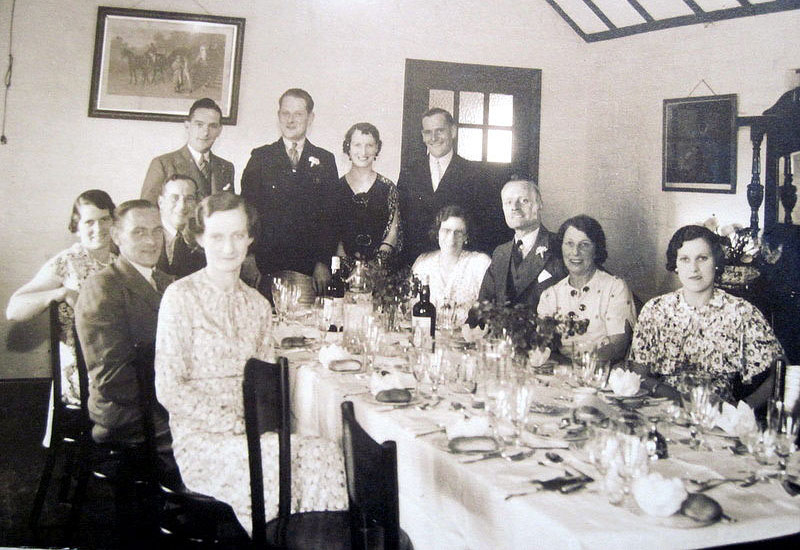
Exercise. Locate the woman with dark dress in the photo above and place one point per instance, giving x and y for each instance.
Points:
(366, 202)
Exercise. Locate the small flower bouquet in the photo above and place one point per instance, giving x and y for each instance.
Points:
(526, 330)
(745, 254)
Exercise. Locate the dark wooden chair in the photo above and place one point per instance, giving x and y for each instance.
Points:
(267, 409)
(68, 426)
(372, 488)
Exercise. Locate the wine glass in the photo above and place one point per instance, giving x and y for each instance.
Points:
(372, 340)
(499, 406)
(786, 439)
(438, 368)
(419, 367)
(521, 399)
(703, 409)
(584, 360)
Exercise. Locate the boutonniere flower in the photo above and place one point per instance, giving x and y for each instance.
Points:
(313, 161)
(540, 250)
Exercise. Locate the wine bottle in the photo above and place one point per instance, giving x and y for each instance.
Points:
(423, 320)
(333, 300)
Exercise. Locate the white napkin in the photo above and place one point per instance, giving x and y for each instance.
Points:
(390, 380)
(469, 427)
(334, 352)
(472, 335)
(737, 420)
(538, 356)
(657, 495)
(624, 383)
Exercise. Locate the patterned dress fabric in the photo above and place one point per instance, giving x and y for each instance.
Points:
(727, 339)
(205, 337)
(605, 300)
(457, 289)
(366, 218)
(72, 267)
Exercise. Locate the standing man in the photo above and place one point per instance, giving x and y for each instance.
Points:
(210, 173)
(440, 179)
(291, 184)
(524, 267)
(181, 254)
(117, 309)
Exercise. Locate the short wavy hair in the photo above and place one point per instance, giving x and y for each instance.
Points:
(445, 213)
(220, 202)
(433, 111)
(299, 93)
(97, 198)
(690, 233)
(592, 228)
(364, 128)
(204, 103)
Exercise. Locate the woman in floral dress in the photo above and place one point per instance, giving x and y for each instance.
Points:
(453, 273)
(701, 330)
(210, 323)
(61, 277)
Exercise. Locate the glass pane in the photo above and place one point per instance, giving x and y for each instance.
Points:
(441, 98)
(501, 110)
(470, 107)
(470, 143)
(499, 146)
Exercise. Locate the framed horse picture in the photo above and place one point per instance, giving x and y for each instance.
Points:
(152, 65)
(700, 144)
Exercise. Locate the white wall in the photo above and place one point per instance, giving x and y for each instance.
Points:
(350, 54)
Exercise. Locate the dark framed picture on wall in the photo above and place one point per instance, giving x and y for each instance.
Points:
(699, 147)
(152, 65)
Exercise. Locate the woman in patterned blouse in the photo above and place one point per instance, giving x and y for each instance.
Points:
(60, 279)
(701, 330)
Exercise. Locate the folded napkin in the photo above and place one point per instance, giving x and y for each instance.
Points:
(657, 495)
(335, 357)
(538, 357)
(475, 426)
(737, 420)
(624, 383)
(279, 332)
(390, 380)
(472, 335)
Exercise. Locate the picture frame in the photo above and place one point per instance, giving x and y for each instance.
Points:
(152, 65)
(700, 144)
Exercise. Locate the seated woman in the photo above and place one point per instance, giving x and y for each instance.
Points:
(590, 292)
(366, 202)
(702, 330)
(454, 274)
(61, 277)
(209, 324)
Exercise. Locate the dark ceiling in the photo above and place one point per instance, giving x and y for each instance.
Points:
(596, 20)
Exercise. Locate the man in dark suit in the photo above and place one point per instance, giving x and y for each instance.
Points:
(291, 183)
(524, 267)
(181, 255)
(210, 173)
(440, 179)
(117, 309)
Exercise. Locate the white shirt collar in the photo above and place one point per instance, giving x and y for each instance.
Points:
(528, 240)
(197, 155)
(300, 144)
(444, 162)
(146, 272)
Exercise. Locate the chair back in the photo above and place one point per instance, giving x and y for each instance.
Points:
(144, 365)
(55, 369)
(372, 488)
(265, 390)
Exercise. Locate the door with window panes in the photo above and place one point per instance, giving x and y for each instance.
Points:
(497, 110)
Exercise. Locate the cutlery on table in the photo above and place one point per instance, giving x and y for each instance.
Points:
(431, 432)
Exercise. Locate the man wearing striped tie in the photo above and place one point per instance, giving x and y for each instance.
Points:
(211, 173)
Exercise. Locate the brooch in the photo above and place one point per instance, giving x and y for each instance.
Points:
(540, 250)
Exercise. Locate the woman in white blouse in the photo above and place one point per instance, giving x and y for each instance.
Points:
(589, 292)
(453, 273)
(209, 324)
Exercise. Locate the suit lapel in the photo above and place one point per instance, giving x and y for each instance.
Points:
(191, 169)
(503, 255)
(137, 284)
(218, 170)
(533, 264)
(450, 176)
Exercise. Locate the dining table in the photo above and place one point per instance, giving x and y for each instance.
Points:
(457, 500)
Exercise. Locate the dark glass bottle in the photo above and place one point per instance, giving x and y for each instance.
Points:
(423, 320)
(333, 301)
(656, 442)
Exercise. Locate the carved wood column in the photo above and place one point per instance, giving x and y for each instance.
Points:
(788, 191)
(755, 191)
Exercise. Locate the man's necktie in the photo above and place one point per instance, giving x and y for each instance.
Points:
(516, 253)
(180, 251)
(294, 155)
(205, 166)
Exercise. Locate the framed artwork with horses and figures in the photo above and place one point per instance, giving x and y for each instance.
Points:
(152, 65)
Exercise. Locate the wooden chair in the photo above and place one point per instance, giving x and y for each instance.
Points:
(68, 426)
(372, 488)
(267, 408)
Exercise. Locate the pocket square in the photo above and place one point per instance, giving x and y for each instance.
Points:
(227, 187)
(543, 276)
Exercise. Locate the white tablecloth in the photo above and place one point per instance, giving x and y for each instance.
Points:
(446, 504)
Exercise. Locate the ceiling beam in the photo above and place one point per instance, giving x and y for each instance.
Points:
(694, 7)
(569, 20)
(600, 15)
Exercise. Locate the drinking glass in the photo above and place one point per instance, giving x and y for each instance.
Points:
(786, 438)
(703, 410)
(419, 367)
(584, 360)
(372, 340)
(500, 405)
(521, 399)
(438, 369)
(285, 296)
(633, 460)
(466, 373)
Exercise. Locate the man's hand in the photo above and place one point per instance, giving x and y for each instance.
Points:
(321, 277)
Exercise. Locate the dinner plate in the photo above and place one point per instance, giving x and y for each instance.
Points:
(415, 400)
(675, 521)
(471, 445)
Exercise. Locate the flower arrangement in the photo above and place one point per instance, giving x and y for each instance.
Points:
(745, 254)
(391, 284)
(527, 330)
